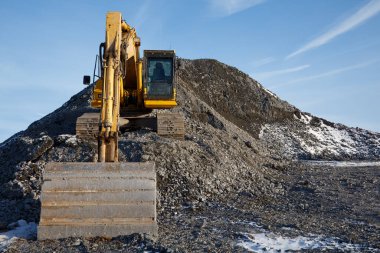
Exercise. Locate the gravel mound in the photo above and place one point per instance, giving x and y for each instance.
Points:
(239, 145)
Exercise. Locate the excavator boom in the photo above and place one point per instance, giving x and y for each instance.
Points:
(111, 90)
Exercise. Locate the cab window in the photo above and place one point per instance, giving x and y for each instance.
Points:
(160, 78)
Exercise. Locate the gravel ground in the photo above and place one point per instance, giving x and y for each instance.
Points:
(331, 202)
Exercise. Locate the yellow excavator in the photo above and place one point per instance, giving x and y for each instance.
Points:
(109, 198)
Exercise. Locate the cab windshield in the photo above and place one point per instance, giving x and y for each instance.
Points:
(160, 78)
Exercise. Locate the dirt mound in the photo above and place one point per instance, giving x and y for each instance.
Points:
(234, 95)
(284, 129)
(238, 145)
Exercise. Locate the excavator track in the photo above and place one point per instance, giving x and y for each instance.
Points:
(87, 126)
(170, 125)
(98, 199)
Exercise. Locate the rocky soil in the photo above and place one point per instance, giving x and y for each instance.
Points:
(234, 174)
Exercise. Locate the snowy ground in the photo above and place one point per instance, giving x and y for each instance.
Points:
(315, 138)
(22, 229)
(265, 241)
(343, 163)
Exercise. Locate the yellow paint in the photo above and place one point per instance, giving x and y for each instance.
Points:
(125, 27)
(112, 89)
(160, 104)
(121, 82)
(139, 84)
(112, 56)
(96, 100)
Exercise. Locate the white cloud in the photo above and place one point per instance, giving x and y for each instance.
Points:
(262, 62)
(229, 7)
(332, 72)
(141, 15)
(269, 74)
(367, 11)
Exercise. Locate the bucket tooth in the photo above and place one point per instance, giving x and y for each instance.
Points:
(98, 199)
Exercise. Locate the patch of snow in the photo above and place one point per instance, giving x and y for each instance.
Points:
(270, 242)
(44, 137)
(270, 93)
(262, 130)
(287, 228)
(72, 140)
(356, 222)
(23, 230)
(27, 140)
(332, 139)
(68, 139)
(343, 163)
(304, 118)
(319, 139)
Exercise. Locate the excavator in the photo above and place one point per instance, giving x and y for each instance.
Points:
(108, 198)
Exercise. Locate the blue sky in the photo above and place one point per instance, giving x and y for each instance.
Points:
(322, 56)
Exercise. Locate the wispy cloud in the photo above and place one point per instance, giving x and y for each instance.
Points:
(269, 74)
(332, 72)
(367, 11)
(141, 14)
(229, 7)
(262, 62)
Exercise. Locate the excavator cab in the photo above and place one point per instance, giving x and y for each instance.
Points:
(159, 79)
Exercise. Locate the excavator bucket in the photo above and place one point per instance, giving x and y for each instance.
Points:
(98, 199)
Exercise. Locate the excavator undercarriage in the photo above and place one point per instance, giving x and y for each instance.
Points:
(169, 125)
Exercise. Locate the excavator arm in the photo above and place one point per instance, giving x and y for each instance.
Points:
(122, 70)
(109, 115)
